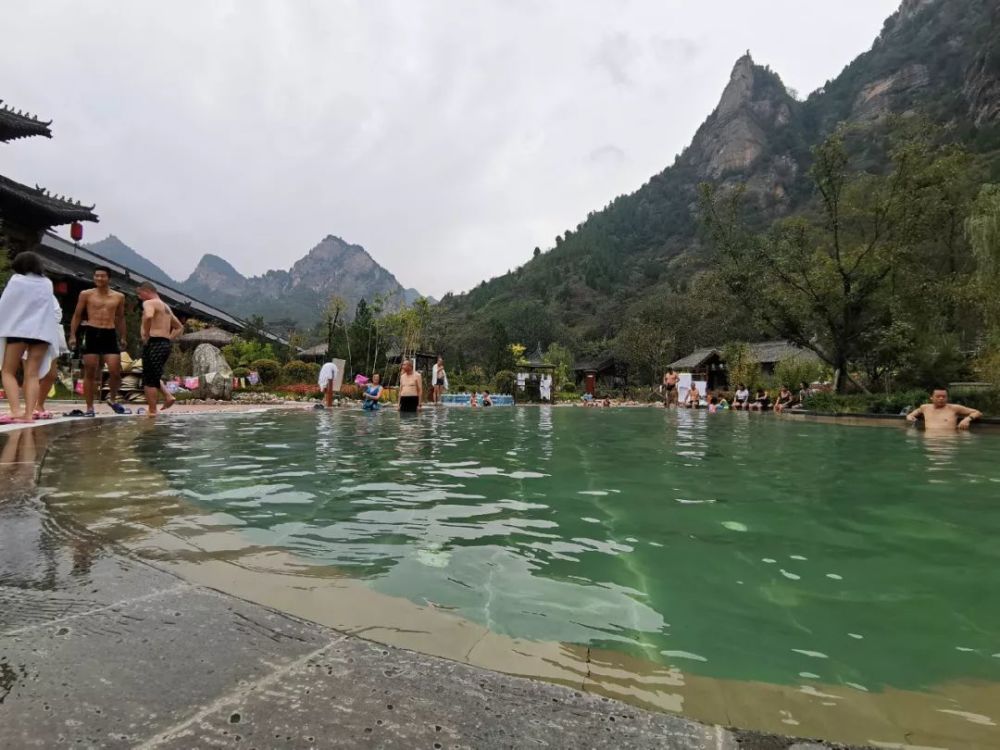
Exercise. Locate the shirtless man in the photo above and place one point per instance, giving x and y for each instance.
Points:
(940, 416)
(103, 338)
(411, 388)
(159, 328)
(670, 381)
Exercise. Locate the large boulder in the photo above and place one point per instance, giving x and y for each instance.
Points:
(216, 385)
(216, 375)
(206, 359)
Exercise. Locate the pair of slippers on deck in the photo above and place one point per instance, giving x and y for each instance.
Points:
(7, 419)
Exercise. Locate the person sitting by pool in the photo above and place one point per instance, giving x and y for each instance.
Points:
(742, 400)
(785, 399)
(487, 401)
(762, 402)
(372, 394)
(472, 399)
(722, 402)
(940, 416)
(804, 392)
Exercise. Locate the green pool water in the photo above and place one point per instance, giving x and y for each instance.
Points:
(739, 547)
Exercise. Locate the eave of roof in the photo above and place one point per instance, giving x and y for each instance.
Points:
(20, 124)
(40, 206)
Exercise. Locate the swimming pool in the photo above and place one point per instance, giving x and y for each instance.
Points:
(745, 569)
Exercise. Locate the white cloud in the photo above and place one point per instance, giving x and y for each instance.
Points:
(447, 137)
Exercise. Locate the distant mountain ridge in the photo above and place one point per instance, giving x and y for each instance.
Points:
(641, 257)
(296, 297)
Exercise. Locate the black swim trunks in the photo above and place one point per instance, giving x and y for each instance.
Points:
(408, 403)
(101, 341)
(155, 353)
(22, 340)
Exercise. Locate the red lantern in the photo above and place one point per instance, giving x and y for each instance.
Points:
(76, 231)
(60, 287)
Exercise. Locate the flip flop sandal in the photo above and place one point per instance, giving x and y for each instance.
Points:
(140, 411)
(117, 408)
(89, 413)
(74, 413)
(8, 419)
(42, 415)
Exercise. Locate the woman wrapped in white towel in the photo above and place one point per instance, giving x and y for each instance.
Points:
(28, 331)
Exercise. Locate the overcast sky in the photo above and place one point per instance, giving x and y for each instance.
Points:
(448, 137)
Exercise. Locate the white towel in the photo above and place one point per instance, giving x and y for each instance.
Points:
(327, 374)
(26, 312)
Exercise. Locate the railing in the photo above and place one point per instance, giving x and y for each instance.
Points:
(465, 399)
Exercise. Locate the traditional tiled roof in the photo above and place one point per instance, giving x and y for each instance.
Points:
(39, 208)
(20, 124)
(598, 364)
(693, 360)
(319, 350)
(765, 352)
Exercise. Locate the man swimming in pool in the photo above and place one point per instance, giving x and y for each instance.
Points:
(159, 328)
(940, 416)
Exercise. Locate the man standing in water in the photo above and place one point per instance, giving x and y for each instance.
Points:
(159, 328)
(670, 381)
(411, 388)
(103, 338)
(941, 416)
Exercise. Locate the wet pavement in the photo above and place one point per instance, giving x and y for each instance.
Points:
(100, 649)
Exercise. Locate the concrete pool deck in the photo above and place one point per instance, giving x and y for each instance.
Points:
(102, 649)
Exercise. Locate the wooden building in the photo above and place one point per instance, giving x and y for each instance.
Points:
(601, 376)
(710, 364)
(530, 374)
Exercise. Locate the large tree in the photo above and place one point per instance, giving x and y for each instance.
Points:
(829, 278)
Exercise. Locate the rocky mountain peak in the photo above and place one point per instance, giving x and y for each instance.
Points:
(909, 8)
(753, 105)
(739, 90)
(216, 274)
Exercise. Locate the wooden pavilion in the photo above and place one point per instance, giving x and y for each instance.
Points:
(530, 373)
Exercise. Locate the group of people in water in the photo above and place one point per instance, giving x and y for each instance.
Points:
(411, 388)
(32, 339)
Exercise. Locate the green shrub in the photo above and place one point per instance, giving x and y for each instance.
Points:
(985, 400)
(796, 370)
(504, 381)
(296, 371)
(568, 387)
(240, 372)
(474, 375)
(268, 369)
